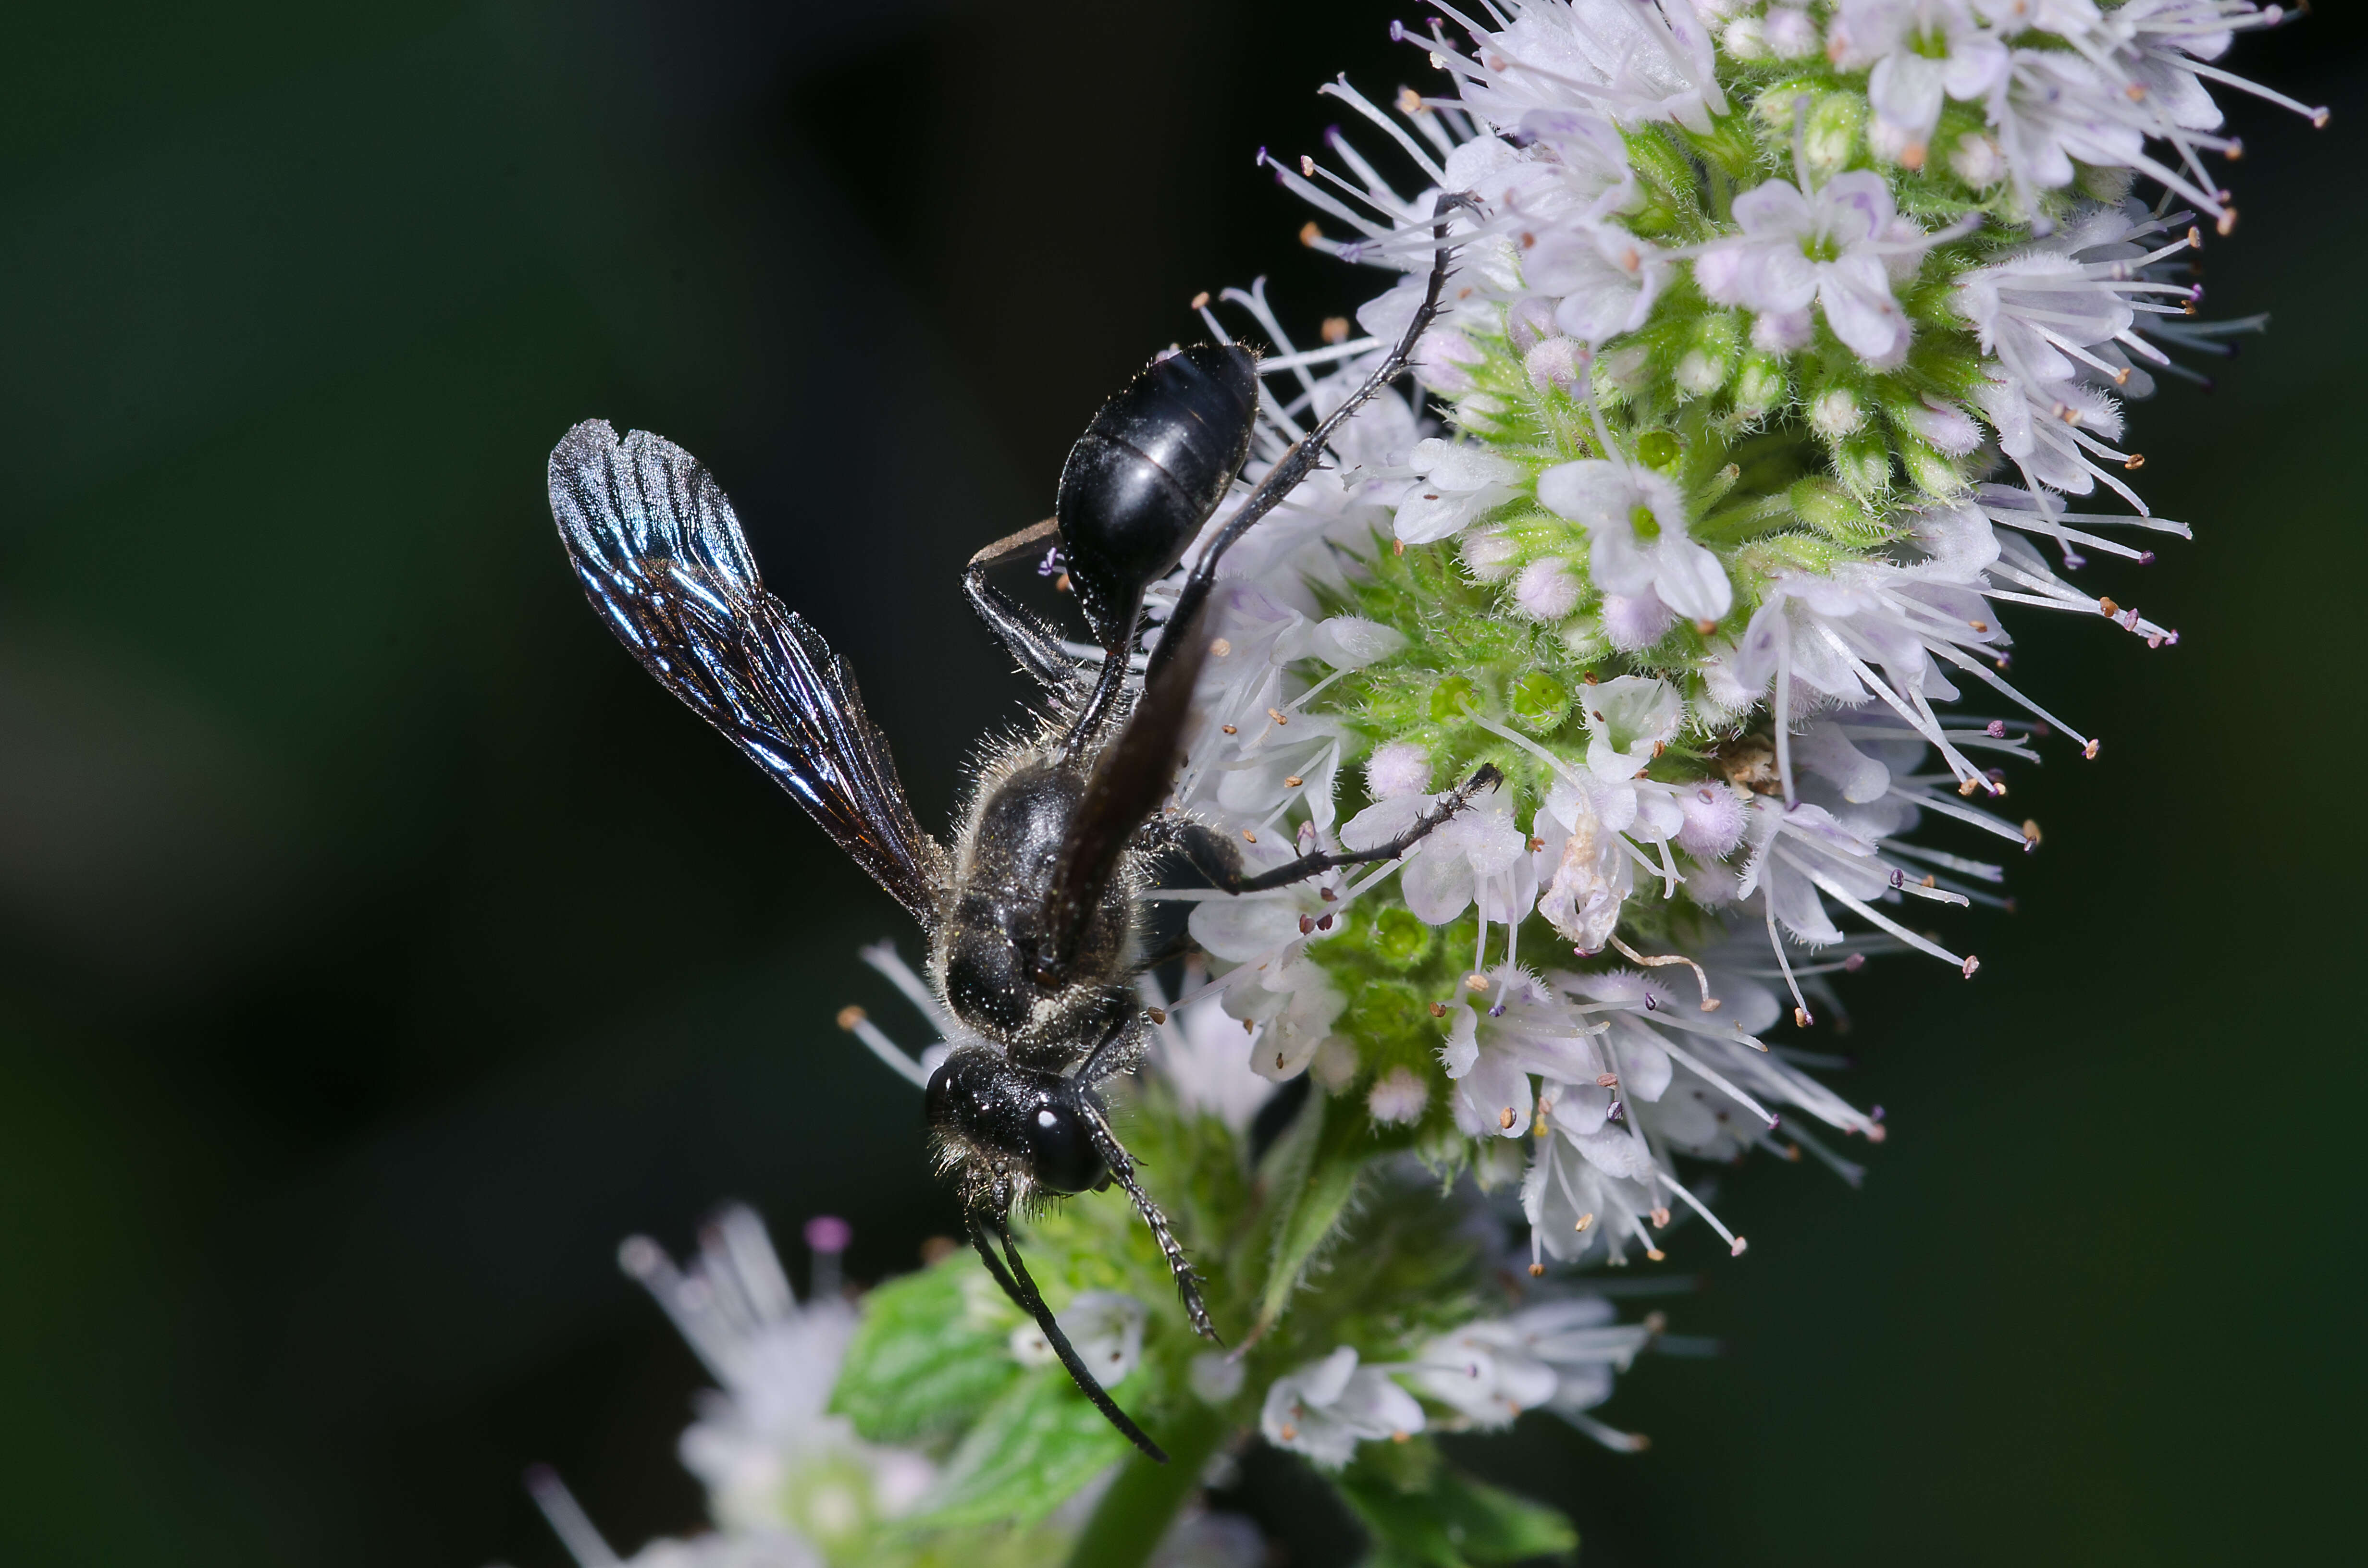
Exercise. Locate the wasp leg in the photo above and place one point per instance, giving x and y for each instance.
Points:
(1023, 1293)
(1295, 465)
(1036, 645)
(1315, 865)
(1122, 1169)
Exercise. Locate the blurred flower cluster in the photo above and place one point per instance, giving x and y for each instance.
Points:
(1783, 366)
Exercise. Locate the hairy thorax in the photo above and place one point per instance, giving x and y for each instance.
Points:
(986, 950)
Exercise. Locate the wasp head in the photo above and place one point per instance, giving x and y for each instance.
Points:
(1009, 1130)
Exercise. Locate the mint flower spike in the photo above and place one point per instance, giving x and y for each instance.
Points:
(1727, 692)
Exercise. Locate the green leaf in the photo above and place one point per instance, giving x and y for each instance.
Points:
(1313, 1173)
(1437, 1517)
(923, 1360)
(1029, 1451)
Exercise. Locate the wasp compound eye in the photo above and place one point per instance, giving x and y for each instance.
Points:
(1060, 1151)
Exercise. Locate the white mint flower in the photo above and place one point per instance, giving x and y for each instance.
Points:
(1789, 32)
(1606, 278)
(1837, 246)
(1477, 855)
(1617, 1106)
(1546, 589)
(1580, 1340)
(1215, 1377)
(1105, 1328)
(2134, 73)
(1745, 38)
(1340, 504)
(1528, 1030)
(1893, 634)
(2061, 315)
(1281, 994)
(1326, 1408)
(1490, 555)
(1633, 622)
(770, 1454)
(1460, 482)
(1839, 841)
(1921, 52)
(1591, 876)
(2057, 108)
(1295, 1005)
(1254, 750)
(1629, 719)
(1556, 364)
(1942, 426)
(1559, 1354)
(1199, 1050)
(736, 1548)
(1724, 1079)
(1485, 1372)
(1714, 820)
(1589, 161)
(1577, 1208)
(1635, 523)
(1635, 61)
(1836, 413)
(1200, 1539)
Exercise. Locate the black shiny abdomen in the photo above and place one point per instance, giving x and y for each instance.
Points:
(1148, 472)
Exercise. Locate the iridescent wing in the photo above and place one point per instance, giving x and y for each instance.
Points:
(662, 558)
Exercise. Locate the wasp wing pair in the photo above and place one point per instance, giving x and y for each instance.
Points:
(661, 556)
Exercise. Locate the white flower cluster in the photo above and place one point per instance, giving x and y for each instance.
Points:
(1558, 1355)
(2056, 84)
(789, 1483)
(1763, 312)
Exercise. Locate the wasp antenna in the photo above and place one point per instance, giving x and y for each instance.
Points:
(1122, 1169)
(1022, 1291)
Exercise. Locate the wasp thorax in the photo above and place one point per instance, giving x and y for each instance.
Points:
(1001, 975)
(1020, 1122)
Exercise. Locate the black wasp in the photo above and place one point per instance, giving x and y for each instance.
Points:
(1033, 916)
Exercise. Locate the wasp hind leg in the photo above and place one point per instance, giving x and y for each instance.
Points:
(1035, 644)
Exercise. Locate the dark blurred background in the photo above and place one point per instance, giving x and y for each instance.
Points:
(380, 945)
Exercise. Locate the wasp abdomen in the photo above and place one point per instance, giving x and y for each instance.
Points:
(1148, 472)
